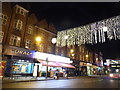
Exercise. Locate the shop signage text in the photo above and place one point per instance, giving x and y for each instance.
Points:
(15, 51)
(21, 52)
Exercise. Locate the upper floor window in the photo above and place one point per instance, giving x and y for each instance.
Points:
(1, 36)
(41, 48)
(3, 18)
(83, 50)
(30, 29)
(15, 40)
(18, 24)
(83, 58)
(80, 48)
(49, 49)
(28, 44)
(56, 51)
(62, 53)
(20, 10)
(80, 57)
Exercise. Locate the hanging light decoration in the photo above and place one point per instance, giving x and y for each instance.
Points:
(91, 33)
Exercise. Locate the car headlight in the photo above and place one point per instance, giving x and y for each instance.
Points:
(111, 75)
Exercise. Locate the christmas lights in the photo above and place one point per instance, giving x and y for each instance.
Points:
(91, 33)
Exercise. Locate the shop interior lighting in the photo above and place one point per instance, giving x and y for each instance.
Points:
(51, 57)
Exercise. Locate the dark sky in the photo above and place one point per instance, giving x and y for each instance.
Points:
(66, 15)
(69, 15)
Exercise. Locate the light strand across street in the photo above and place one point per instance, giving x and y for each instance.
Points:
(90, 33)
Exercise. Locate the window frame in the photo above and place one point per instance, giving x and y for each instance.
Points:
(20, 11)
(19, 24)
(30, 30)
(28, 43)
(15, 40)
(4, 19)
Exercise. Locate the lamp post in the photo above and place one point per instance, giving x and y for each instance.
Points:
(47, 68)
(54, 42)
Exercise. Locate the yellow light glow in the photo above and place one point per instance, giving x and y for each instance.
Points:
(18, 38)
(86, 56)
(96, 59)
(38, 39)
(73, 55)
(71, 50)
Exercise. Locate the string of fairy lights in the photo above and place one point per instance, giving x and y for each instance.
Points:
(90, 34)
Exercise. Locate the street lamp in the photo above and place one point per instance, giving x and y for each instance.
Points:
(71, 51)
(38, 39)
(86, 55)
(54, 40)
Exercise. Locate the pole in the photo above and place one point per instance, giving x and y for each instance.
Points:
(46, 68)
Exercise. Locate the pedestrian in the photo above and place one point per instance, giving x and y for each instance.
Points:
(56, 74)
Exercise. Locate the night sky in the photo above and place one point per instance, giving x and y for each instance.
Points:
(69, 15)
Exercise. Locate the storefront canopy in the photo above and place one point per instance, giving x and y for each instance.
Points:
(44, 63)
(55, 64)
(65, 65)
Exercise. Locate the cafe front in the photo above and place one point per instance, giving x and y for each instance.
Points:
(19, 61)
(51, 64)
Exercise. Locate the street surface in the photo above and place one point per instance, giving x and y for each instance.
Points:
(84, 82)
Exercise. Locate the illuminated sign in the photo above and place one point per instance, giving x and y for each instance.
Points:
(15, 51)
(21, 52)
(51, 57)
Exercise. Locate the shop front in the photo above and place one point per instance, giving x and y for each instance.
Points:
(19, 61)
(2, 68)
(53, 65)
(88, 68)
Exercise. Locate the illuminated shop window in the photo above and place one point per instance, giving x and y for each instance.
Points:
(28, 44)
(15, 40)
(30, 30)
(18, 24)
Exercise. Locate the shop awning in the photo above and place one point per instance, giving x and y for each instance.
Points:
(55, 64)
(65, 65)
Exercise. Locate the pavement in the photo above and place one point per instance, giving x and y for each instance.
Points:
(29, 79)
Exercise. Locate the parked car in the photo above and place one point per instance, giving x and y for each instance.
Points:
(114, 75)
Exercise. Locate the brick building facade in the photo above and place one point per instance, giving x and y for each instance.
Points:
(20, 28)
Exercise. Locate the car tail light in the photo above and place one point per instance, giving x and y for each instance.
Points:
(111, 75)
